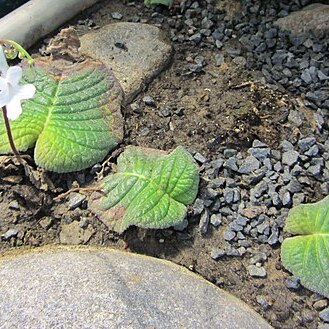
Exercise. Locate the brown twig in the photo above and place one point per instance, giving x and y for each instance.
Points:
(250, 84)
(10, 136)
(75, 189)
(100, 174)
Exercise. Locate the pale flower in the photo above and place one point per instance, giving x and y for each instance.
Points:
(11, 92)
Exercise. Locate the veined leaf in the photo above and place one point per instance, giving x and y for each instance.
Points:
(150, 189)
(74, 118)
(158, 2)
(307, 255)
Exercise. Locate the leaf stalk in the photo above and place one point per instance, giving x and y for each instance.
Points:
(10, 136)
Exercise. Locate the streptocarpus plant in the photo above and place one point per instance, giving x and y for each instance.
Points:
(74, 119)
(11, 92)
(150, 189)
(306, 255)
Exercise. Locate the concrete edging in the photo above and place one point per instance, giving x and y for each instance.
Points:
(35, 19)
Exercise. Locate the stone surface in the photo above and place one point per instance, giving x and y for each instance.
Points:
(314, 17)
(324, 315)
(135, 52)
(102, 288)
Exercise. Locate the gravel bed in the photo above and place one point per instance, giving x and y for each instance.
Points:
(298, 64)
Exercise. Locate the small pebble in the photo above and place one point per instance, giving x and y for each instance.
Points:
(290, 158)
(198, 206)
(217, 253)
(14, 205)
(199, 157)
(75, 200)
(249, 165)
(204, 222)
(216, 220)
(46, 222)
(135, 108)
(324, 315)
(319, 305)
(181, 226)
(149, 101)
(116, 15)
(293, 283)
(10, 234)
(262, 301)
(256, 271)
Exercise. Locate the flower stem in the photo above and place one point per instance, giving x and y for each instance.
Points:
(10, 136)
(22, 52)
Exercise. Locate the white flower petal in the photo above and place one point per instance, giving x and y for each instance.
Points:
(4, 92)
(25, 91)
(3, 63)
(4, 99)
(3, 84)
(14, 109)
(14, 75)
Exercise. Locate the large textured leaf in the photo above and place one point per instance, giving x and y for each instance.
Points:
(150, 189)
(74, 119)
(307, 255)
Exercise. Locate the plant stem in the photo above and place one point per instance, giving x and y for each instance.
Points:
(10, 136)
(19, 48)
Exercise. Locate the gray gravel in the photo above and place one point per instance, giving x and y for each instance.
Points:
(324, 315)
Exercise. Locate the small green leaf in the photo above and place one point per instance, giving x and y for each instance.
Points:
(150, 189)
(158, 2)
(307, 255)
(73, 120)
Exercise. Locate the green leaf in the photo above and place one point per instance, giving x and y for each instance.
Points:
(307, 255)
(158, 2)
(150, 189)
(74, 118)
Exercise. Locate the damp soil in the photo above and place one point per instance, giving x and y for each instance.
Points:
(221, 107)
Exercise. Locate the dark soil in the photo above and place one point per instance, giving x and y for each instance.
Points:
(218, 108)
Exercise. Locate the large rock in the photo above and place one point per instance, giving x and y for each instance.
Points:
(314, 17)
(135, 52)
(102, 288)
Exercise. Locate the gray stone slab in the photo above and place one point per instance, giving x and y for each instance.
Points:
(135, 52)
(314, 17)
(64, 287)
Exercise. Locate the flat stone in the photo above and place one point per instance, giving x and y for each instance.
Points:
(315, 15)
(104, 288)
(135, 52)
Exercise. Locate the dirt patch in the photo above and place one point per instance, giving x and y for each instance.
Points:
(217, 108)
